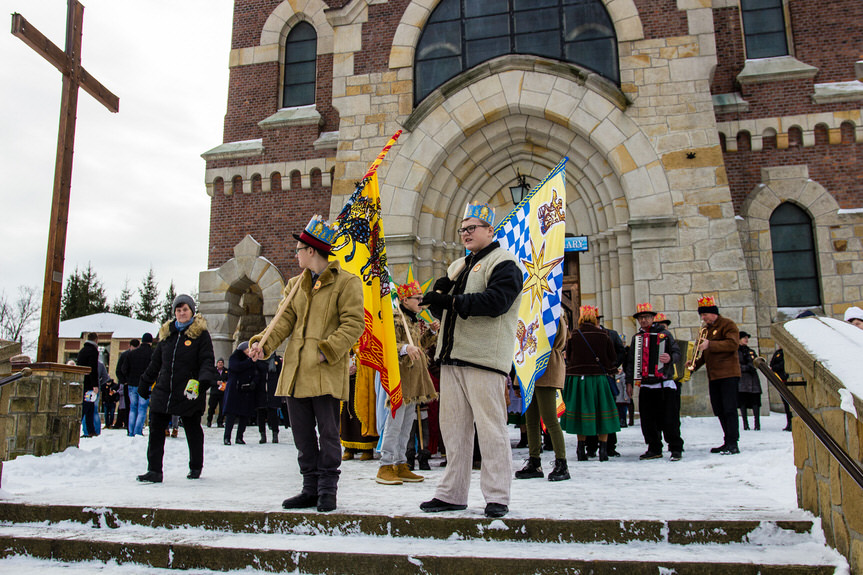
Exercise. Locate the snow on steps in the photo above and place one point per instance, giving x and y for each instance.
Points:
(340, 543)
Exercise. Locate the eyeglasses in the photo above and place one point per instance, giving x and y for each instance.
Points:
(302, 249)
(470, 229)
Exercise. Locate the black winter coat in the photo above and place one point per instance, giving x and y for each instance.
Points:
(137, 362)
(274, 368)
(179, 357)
(749, 382)
(243, 372)
(89, 357)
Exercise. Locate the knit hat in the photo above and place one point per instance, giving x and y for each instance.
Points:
(148, 337)
(643, 309)
(483, 212)
(409, 289)
(853, 312)
(707, 304)
(318, 234)
(184, 299)
(243, 346)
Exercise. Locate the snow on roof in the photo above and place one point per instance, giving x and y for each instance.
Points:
(118, 325)
(837, 345)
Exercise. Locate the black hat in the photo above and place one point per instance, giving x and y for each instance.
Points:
(147, 338)
(744, 334)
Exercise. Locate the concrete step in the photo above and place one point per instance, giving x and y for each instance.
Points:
(340, 543)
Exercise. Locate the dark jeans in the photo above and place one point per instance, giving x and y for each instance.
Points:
(660, 415)
(723, 398)
(159, 423)
(318, 454)
(109, 407)
(89, 418)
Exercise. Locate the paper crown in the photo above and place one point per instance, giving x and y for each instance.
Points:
(643, 308)
(318, 233)
(409, 289)
(588, 314)
(707, 304)
(483, 212)
(661, 318)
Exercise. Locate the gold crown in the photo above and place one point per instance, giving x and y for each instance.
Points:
(706, 301)
(644, 308)
(409, 289)
(588, 312)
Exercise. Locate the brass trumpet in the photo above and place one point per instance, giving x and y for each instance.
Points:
(696, 353)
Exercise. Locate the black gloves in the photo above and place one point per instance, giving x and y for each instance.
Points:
(144, 390)
(443, 284)
(436, 299)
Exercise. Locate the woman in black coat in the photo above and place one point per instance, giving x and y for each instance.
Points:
(180, 371)
(268, 403)
(246, 380)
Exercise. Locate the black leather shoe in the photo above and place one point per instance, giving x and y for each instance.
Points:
(531, 469)
(326, 502)
(731, 450)
(227, 441)
(676, 456)
(436, 506)
(239, 441)
(263, 438)
(301, 501)
(194, 474)
(721, 449)
(150, 477)
(275, 437)
(650, 455)
(496, 510)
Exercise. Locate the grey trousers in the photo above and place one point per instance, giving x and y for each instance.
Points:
(396, 433)
(469, 395)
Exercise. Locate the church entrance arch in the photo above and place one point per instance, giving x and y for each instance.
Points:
(240, 297)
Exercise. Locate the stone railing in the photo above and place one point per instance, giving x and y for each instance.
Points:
(823, 488)
(40, 414)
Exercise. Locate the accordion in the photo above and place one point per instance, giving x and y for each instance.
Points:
(648, 348)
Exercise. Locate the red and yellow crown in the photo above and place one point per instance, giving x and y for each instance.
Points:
(661, 318)
(409, 289)
(588, 314)
(706, 301)
(643, 308)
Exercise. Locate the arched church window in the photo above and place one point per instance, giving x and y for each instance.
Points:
(764, 28)
(301, 49)
(460, 34)
(795, 267)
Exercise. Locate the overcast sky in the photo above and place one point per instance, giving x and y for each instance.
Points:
(138, 196)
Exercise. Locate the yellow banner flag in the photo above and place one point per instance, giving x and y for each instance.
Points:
(360, 248)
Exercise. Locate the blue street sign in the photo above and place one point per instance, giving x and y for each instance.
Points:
(575, 244)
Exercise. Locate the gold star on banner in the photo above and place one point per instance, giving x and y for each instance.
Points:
(537, 270)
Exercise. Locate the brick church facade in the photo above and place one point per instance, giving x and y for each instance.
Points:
(715, 147)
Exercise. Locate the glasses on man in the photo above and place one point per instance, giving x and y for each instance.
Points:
(470, 229)
(302, 249)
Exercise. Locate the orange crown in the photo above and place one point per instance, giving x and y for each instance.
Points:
(706, 301)
(661, 317)
(409, 289)
(588, 313)
(644, 308)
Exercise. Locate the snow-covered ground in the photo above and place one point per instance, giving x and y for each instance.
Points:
(757, 484)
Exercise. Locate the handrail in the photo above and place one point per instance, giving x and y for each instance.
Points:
(15, 377)
(851, 467)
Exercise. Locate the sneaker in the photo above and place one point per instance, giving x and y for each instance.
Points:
(194, 474)
(388, 475)
(721, 449)
(676, 456)
(560, 471)
(531, 469)
(406, 475)
(496, 510)
(650, 455)
(436, 506)
(326, 502)
(301, 501)
(150, 477)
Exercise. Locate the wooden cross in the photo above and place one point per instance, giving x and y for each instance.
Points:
(74, 75)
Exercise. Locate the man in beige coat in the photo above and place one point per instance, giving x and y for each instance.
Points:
(324, 320)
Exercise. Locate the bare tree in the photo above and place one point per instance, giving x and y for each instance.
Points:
(18, 319)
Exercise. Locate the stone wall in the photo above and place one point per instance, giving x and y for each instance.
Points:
(822, 487)
(41, 414)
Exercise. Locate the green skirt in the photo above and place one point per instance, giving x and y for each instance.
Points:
(590, 407)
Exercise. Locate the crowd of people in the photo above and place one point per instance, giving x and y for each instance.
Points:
(457, 381)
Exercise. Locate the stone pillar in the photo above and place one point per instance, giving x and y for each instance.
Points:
(40, 414)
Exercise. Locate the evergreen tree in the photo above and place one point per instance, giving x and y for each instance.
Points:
(147, 308)
(123, 304)
(168, 305)
(83, 295)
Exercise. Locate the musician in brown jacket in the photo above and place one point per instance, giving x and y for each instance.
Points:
(719, 354)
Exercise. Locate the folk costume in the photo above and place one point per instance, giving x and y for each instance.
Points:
(357, 429)
(323, 320)
(658, 393)
(723, 373)
(417, 388)
(475, 350)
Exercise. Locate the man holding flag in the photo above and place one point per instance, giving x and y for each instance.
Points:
(476, 304)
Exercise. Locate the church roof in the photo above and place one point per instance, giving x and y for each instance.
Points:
(119, 326)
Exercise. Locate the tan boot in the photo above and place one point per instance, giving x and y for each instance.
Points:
(175, 432)
(405, 474)
(366, 456)
(347, 455)
(387, 475)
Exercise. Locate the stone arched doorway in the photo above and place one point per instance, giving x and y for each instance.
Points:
(240, 297)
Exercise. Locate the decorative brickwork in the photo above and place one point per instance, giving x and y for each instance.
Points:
(661, 18)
